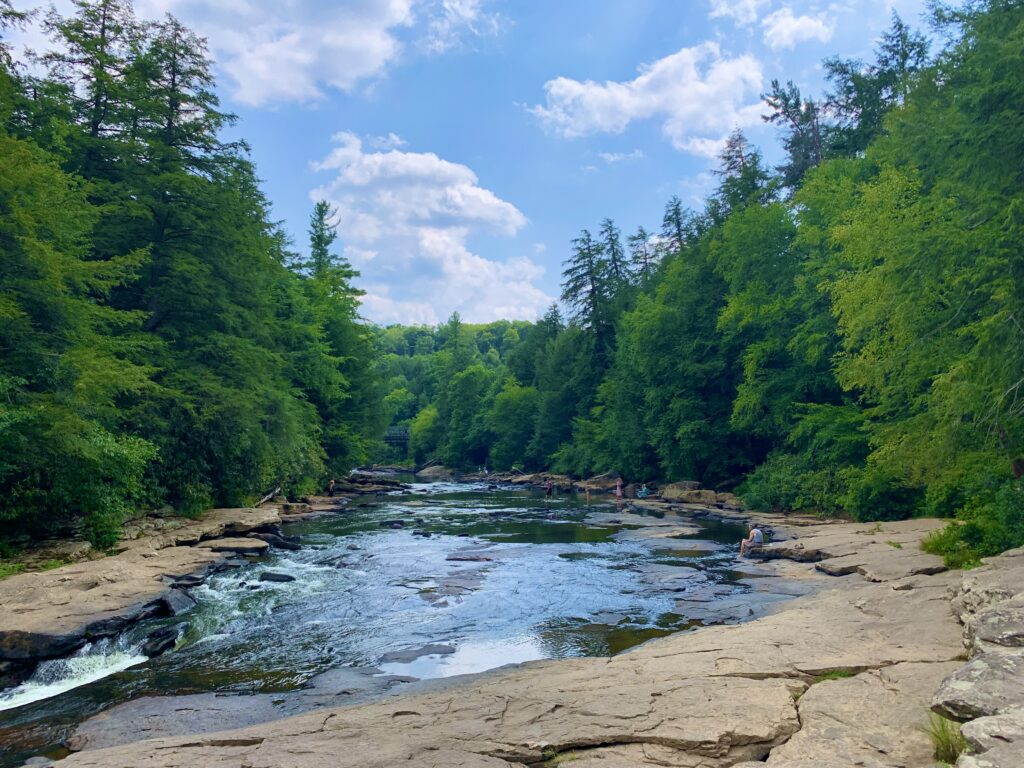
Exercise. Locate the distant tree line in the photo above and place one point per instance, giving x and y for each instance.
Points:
(160, 344)
(842, 334)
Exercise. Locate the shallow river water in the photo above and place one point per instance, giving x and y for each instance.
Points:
(503, 577)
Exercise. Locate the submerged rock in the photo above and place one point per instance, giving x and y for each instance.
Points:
(406, 656)
(276, 577)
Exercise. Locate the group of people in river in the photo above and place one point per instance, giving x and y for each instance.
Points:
(642, 492)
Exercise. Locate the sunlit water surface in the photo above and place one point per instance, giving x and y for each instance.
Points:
(543, 584)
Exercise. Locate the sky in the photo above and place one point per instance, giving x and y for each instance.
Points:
(465, 143)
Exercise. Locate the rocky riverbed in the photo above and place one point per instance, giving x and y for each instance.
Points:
(845, 675)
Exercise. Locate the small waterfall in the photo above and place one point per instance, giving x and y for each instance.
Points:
(92, 662)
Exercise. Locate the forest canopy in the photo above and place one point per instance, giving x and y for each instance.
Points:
(840, 334)
(160, 343)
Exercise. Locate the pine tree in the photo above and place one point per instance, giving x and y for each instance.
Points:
(803, 140)
(862, 93)
(641, 253)
(673, 226)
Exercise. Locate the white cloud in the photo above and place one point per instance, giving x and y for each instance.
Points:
(296, 50)
(700, 94)
(391, 141)
(406, 218)
(740, 11)
(784, 30)
(452, 20)
(612, 158)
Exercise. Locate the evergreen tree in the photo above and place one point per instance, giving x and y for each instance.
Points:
(674, 226)
(641, 253)
(862, 93)
(803, 140)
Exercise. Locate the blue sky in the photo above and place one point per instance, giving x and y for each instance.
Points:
(466, 142)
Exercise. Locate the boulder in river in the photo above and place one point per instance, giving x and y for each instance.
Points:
(161, 641)
(238, 546)
(176, 601)
(276, 577)
(278, 542)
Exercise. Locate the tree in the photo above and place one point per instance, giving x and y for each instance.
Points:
(862, 94)
(614, 257)
(641, 252)
(803, 140)
(674, 226)
(66, 362)
(511, 420)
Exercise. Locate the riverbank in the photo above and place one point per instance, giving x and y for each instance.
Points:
(50, 614)
(843, 676)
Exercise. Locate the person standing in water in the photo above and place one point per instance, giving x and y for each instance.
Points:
(330, 488)
(549, 489)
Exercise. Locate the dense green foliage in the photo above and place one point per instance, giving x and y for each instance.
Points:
(158, 342)
(840, 334)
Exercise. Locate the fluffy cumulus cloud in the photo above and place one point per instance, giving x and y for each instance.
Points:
(740, 11)
(698, 93)
(406, 219)
(783, 29)
(298, 50)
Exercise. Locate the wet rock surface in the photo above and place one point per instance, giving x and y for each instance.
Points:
(160, 716)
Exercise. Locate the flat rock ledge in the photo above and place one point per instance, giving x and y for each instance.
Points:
(50, 614)
(844, 676)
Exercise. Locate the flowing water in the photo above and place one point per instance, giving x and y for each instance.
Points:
(494, 576)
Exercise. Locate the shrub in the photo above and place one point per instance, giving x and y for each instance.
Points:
(985, 527)
(875, 494)
(786, 482)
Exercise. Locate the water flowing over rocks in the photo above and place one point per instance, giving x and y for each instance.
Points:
(52, 613)
(843, 676)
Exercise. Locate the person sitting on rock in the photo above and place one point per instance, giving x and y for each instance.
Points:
(754, 541)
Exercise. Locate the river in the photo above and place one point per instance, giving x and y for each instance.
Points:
(476, 577)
